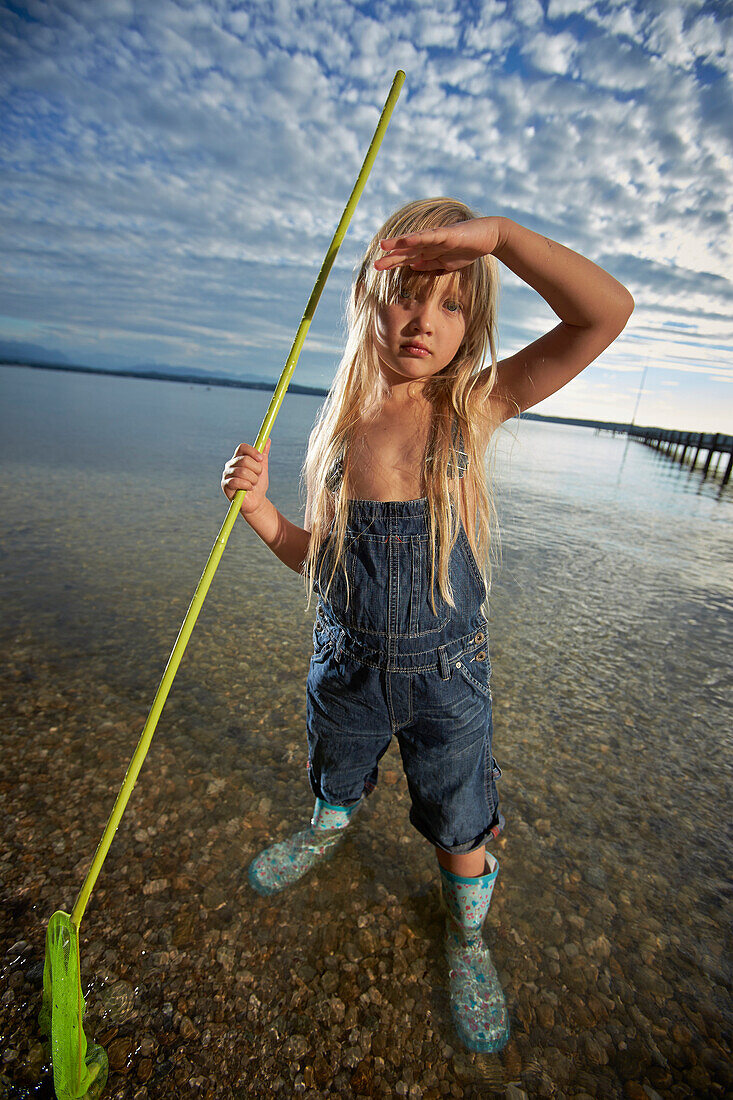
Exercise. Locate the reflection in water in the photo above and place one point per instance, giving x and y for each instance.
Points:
(610, 619)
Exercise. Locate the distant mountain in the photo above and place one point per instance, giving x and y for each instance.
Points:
(159, 373)
(193, 374)
(23, 351)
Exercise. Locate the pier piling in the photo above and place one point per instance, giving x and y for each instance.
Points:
(677, 444)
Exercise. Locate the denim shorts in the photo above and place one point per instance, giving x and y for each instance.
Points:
(386, 661)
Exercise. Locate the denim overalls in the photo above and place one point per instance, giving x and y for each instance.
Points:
(385, 663)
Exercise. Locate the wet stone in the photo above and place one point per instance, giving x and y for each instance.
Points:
(681, 1034)
(118, 1052)
(594, 1051)
(296, 1047)
(188, 1029)
(36, 1059)
(330, 982)
(633, 1090)
(351, 1057)
(226, 957)
(596, 876)
(148, 1046)
(144, 1069)
(214, 898)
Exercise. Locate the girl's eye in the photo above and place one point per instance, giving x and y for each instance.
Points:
(453, 306)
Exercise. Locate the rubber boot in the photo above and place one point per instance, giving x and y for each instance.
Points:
(476, 998)
(286, 862)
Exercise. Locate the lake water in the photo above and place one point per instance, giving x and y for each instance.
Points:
(610, 632)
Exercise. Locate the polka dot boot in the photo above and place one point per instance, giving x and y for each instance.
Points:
(477, 1001)
(286, 862)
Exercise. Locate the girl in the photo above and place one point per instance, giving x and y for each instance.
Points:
(397, 540)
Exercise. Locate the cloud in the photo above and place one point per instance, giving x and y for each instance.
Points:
(551, 53)
(561, 9)
(175, 171)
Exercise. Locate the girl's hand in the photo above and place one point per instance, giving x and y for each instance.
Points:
(247, 469)
(443, 249)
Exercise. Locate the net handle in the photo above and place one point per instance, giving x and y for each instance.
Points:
(221, 539)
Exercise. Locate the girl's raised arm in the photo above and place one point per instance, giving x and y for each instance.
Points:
(592, 305)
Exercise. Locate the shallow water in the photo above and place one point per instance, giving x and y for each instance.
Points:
(611, 620)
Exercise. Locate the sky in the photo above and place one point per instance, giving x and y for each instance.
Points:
(171, 174)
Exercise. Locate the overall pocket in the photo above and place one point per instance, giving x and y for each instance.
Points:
(474, 664)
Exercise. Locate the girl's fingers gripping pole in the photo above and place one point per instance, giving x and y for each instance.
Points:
(218, 548)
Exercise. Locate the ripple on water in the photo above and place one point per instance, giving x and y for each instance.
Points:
(117, 1002)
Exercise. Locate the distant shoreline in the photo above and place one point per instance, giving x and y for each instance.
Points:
(165, 376)
(268, 387)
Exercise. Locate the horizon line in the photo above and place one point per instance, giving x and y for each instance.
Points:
(222, 381)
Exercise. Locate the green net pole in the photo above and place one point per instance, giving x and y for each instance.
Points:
(221, 540)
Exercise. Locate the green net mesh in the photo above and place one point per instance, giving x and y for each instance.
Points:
(78, 1071)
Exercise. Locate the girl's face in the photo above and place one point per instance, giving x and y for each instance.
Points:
(435, 322)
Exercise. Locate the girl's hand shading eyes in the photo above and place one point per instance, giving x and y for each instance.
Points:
(440, 250)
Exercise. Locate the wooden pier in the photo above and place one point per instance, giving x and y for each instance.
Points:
(681, 446)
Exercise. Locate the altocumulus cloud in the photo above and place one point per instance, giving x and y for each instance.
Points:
(172, 174)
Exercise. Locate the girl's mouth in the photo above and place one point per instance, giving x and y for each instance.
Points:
(411, 349)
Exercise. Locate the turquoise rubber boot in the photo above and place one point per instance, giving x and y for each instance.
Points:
(286, 862)
(476, 998)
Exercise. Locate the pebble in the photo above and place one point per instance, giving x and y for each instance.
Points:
(35, 1059)
(595, 1052)
(595, 876)
(635, 1091)
(599, 948)
(144, 1069)
(188, 1029)
(681, 1034)
(118, 1052)
(351, 1057)
(296, 1047)
(155, 886)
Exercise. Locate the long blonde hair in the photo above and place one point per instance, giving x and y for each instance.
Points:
(458, 394)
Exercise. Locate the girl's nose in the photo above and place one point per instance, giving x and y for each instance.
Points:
(423, 316)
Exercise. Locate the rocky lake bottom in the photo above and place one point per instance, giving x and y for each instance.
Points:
(606, 925)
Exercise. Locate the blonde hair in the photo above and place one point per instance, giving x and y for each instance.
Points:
(459, 395)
